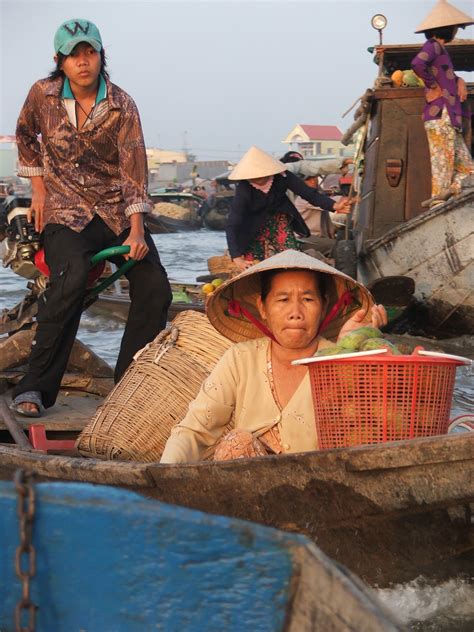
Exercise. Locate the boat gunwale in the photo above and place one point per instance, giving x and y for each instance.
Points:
(407, 226)
(392, 455)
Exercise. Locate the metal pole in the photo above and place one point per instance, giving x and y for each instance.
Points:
(13, 426)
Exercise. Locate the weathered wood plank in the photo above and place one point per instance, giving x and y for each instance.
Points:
(337, 605)
(120, 474)
(71, 413)
(15, 351)
(408, 454)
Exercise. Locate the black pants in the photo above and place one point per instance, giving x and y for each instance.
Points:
(68, 255)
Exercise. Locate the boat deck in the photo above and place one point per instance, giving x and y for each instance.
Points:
(70, 414)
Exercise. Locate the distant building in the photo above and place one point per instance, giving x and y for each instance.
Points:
(8, 156)
(317, 140)
(179, 172)
(157, 157)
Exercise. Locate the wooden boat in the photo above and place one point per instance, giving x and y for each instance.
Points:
(132, 573)
(215, 218)
(394, 233)
(156, 227)
(116, 302)
(442, 267)
(159, 224)
(388, 512)
(189, 200)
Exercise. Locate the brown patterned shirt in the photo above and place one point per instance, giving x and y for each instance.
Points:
(100, 169)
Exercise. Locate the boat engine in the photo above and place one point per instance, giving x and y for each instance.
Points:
(19, 241)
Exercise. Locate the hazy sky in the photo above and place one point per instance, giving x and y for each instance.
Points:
(217, 76)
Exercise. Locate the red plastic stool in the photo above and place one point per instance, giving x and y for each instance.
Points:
(37, 436)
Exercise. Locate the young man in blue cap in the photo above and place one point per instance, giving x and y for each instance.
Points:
(89, 183)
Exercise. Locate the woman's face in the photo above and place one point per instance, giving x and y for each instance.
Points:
(260, 181)
(293, 308)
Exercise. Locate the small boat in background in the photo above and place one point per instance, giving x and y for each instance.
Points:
(159, 224)
(108, 559)
(115, 301)
(435, 250)
(174, 212)
(394, 233)
(215, 216)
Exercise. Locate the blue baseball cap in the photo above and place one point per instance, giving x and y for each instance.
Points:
(73, 32)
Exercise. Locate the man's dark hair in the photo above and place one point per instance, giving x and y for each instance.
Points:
(58, 72)
(266, 279)
(291, 156)
(446, 33)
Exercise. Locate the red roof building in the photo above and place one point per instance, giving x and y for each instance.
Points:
(317, 140)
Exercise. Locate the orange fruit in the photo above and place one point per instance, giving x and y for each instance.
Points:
(207, 288)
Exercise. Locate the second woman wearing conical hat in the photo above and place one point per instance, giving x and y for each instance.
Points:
(445, 95)
(263, 221)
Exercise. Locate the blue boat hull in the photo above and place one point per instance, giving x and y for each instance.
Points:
(109, 560)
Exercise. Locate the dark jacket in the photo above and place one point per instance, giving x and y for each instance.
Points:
(251, 208)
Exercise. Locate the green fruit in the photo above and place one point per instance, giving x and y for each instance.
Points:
(404, 346)
(352, 341)
(379, 343)
(369, 332)
(330, 351)
(410, 80)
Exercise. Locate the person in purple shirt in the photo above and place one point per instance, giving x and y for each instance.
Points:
(445, 94)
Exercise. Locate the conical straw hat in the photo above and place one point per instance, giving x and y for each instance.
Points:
(246, 287)
(444, 14)
(256, 164)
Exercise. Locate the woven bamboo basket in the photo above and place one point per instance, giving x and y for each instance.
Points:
(135, 421)
(222, 264)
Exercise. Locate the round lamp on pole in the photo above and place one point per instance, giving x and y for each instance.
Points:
(379, 22)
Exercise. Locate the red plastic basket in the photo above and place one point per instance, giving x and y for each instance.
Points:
(373, 399)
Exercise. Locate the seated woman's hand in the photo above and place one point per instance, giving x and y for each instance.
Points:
(376, 317)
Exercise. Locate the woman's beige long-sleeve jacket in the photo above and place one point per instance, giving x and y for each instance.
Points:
(238, 390)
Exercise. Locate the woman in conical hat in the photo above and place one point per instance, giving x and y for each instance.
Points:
(445, 95)
(263, 221)
(279, 310)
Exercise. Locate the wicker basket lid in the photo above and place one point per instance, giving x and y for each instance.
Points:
(444, 14)
(245, 288)
(256, 164)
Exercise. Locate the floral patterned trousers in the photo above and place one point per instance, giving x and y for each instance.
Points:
(276, 235)
(451, 161)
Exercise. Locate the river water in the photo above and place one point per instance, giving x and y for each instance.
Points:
(184, 256)
(447, 607)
